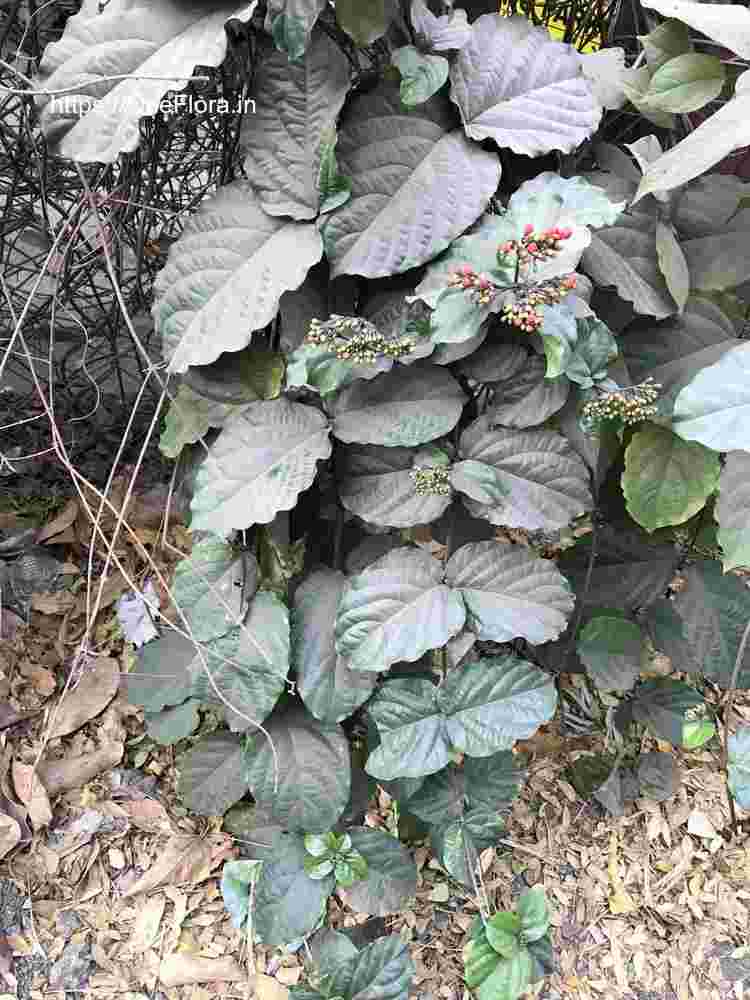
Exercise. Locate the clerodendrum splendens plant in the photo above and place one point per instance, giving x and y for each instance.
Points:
(466, 379)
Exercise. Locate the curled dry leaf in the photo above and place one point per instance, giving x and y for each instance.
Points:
(10, 834)
(59, 524)
(95, 690)
(179, 969)
(185, 859)
(32, 793)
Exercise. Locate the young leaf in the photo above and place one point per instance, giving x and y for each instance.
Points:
(730, 27)
(248, 666)
(391, 878)
(539, 481)
(381, 971)
(226, 274)
(209, 587)
(405, 406)
(236, 879)
(714, 408)
(503, 930)
(378, 484)
(119, 64)
(189, 418)
(483, 708)
(733, 510)
(431, 185)
(611, 649)
(664, 705)
(665, 42)
(288, 903)
(330, 691)
(551, 200)
(510, 593)
(334, 190)
(480, 960)
(173, 724)
(532, 909)
(714, 608)
(594, 350)
(291, 22)
(686, 83)
(666, 479)
(422, 74)
(211, 777)
(457, 843)
(396, 610)
(312, 767)
(739, 766)
(297, 104)
(262, 460)
(364, 20)
(529, 94)
(509, 979)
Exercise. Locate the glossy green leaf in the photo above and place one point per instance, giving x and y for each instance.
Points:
(209, 587)
(288, 903)
(685, 83)
(534, 914)
(503, 933)
(714, 408)
(382, 971)
(390, 878)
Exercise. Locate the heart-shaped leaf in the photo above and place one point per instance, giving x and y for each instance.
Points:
(211, 775)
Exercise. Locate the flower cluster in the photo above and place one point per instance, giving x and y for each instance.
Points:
(431, 481)
(630, 405)
(355, 339)
(534, 246)
(524, 313)
(479, 285)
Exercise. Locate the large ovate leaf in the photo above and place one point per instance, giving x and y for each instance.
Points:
(381, 971)
(391, 874)
(226, 274)
(297, 104)
(406, 406)
(738, 766)
(539, 482)
(260, 463)
(666, 41)
(665, 705)
(291, 23)
(160, 674)
(509, 979)
(245, 670)
(685, 83)
(624, 255)
(189, 418)
(378, 486)
(397, 609)
(733, 510)
(532, 909)
(415, 187)
(114, 65)
(305, 785)
(527, 398)
(611, 648)
(595, 348)
(515, 85)
(629, 571)
(718, 263)
(580, 203)
(714, 408)
(209, 587)
(173, 724)
(457, 843)
(674, 351)
(666, 479)
(714, 608)
(211, 775)
(288, 903)
(509, 592)
(330, 691)
(495, 362)
(484, 707)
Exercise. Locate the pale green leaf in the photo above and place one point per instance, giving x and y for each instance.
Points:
(422, 74)
(672, 263)
(714, 408)
(686, 83)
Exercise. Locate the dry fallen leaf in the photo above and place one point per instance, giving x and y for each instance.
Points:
(64, 520)
(620, 901)
(146, 927)
(185, 859)
(57, 602)
(10, 834)
(32, 793)
(42, 680)
(73, 772)
(268, 988)
(95, 690)
(115, 585)
(700, 825)
(148, 815)
(179, 969)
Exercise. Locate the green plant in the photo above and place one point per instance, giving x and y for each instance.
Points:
(518, 362)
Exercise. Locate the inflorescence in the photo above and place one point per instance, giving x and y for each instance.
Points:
(431, 481)
(524, 312)
(631, 405)
(355, 339)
